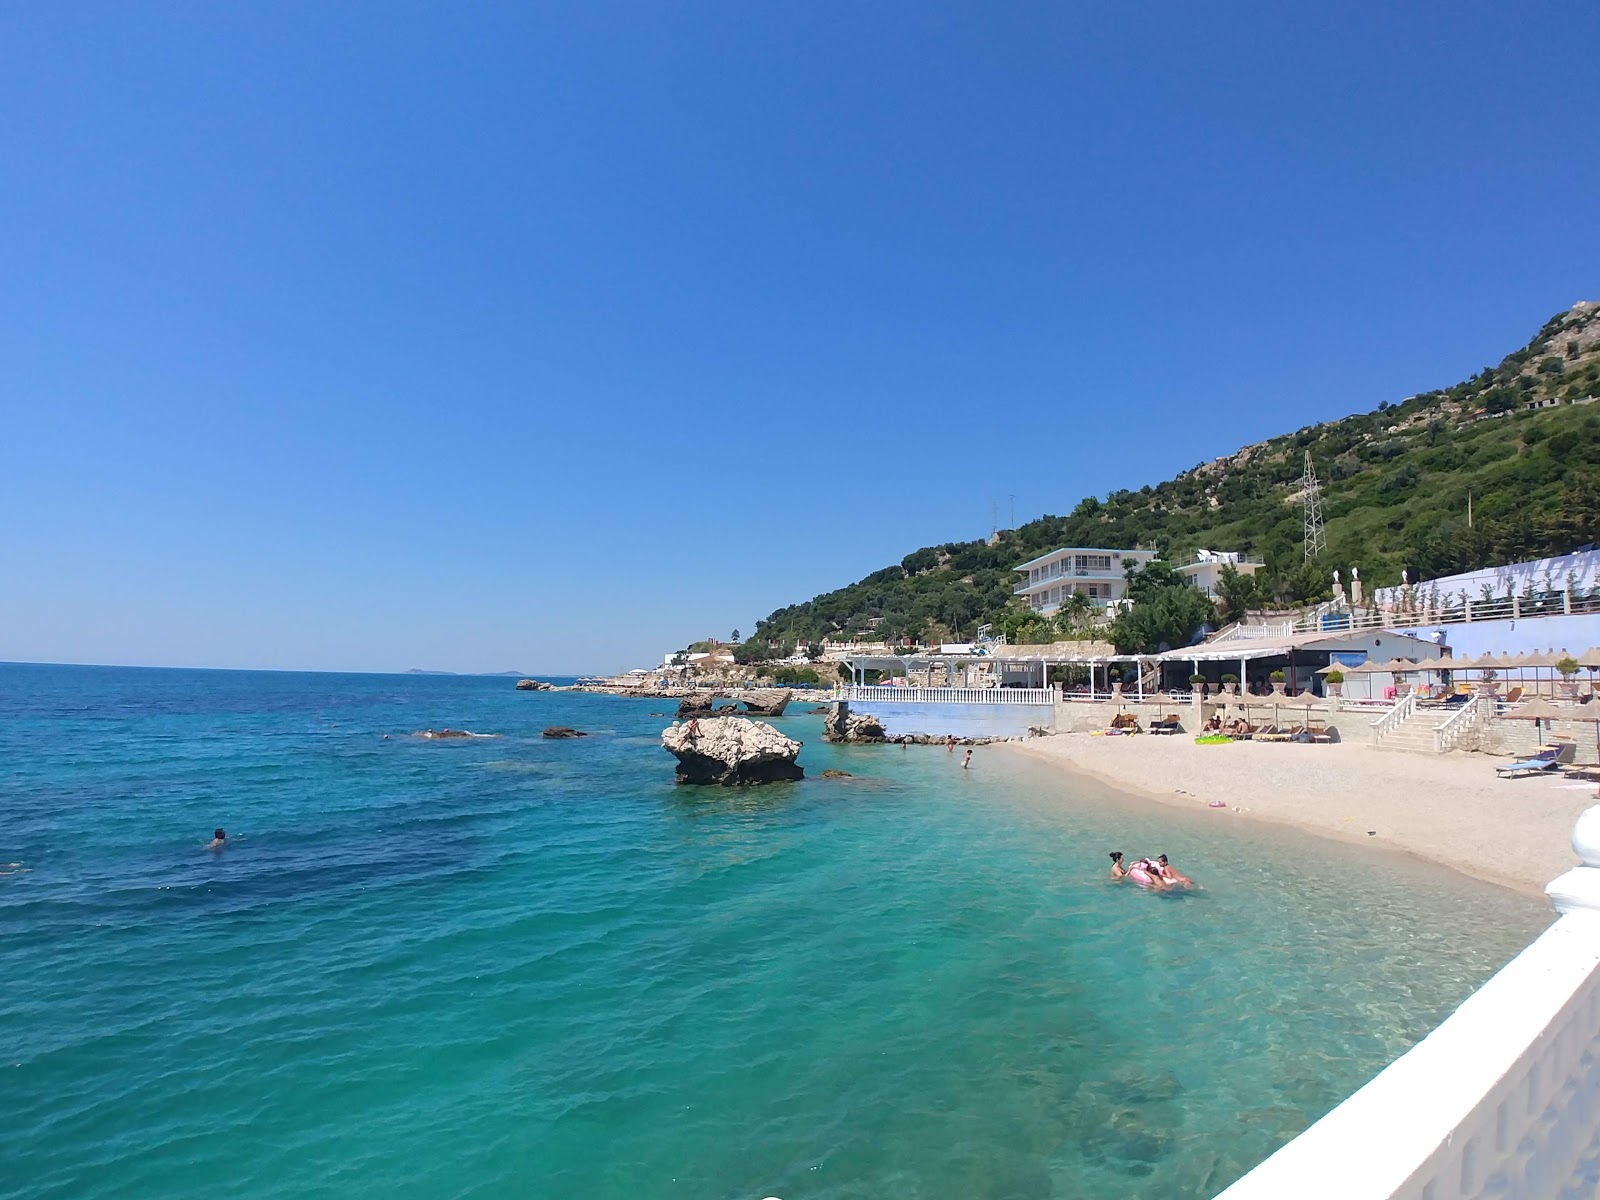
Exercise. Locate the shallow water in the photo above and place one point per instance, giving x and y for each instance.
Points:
(514, 967)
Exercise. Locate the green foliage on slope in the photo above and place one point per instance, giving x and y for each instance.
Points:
(1396, 484)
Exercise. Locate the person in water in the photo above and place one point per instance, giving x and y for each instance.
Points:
(218, 840)
(1166, 871)
(1118, 871)
(1147, 874)
(966, 759)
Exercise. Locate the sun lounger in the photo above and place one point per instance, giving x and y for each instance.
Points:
(1528, 766)
(1165, 725)
(1512, 696)
(1271, 734)
(1321, 733)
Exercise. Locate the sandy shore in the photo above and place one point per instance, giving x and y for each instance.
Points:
(1450, 809)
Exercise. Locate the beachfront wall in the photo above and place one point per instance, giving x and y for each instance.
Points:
(1502, 1100)
(955, 712)
(1470, 640)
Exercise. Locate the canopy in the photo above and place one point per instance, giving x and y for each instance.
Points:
(1590, 658)
(1471, 663)
(1305, 697)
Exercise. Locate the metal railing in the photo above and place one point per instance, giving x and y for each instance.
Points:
(1395, 717)
(880, 694)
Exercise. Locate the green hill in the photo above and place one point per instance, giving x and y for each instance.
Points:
(1396, 486)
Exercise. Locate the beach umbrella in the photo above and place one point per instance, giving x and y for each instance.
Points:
(1539, 711)
(1590, 658)
(1307, 698)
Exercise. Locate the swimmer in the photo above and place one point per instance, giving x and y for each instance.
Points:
(1165, 870)
(966, 759)
(949, 743)
(15, 868)
(1118, 871)
(219, 839)
(1147, 875)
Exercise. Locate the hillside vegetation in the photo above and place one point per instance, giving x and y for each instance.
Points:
(1396, 483)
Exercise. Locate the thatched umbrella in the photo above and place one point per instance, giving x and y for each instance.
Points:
(1590, 658)
(1307, 698)
(1539, 711)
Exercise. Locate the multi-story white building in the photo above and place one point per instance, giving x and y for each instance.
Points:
(1099, 574)
(1207, 566)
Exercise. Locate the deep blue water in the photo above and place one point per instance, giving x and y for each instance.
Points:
(518, 967)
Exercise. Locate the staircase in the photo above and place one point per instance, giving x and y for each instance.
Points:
(1415, 732)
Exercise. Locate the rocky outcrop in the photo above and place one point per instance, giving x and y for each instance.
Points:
(698, 705)
(765, 702)
(436, 734)
(534, 685)
(731, 751)
(562, 731)
(841, 725)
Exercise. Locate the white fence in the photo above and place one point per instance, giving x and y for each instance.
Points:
(923, 695)
(1501, 1101)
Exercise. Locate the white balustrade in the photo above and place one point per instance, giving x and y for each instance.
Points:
(881, 694)
(1461, 723)
(1395, 717)
(1500, 1102)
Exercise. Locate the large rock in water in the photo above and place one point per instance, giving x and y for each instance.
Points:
(841, 725)
(731, 751)
(534, 685)
(697, 705)
(562, 731)
(766, 702)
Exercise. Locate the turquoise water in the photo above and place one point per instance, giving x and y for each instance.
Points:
(514, 967)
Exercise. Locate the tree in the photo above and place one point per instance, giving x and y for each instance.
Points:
(1155, 576)
(1237, 590)
(735, 638)
(1172, 616)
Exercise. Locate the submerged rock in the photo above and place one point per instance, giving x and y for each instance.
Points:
(834, 773)
(562, 731)
(731, 751)
(450, 733)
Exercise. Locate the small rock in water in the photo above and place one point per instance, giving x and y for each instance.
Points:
(833, 773)
(562, 731)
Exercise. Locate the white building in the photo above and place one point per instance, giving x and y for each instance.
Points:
(1206, 569)
(1099, 574)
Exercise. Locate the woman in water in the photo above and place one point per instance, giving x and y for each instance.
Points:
(1147, 875)
(1118, 871)
(1164, 869)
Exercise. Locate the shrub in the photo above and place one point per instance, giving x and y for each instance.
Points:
(1334, 677)
(1567, 666)
(1276, 677)
(1230, 679)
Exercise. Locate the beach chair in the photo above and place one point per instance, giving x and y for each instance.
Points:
(1165, 725)
(1512, 696)
(1124, 723)
(1270, 733)
(1545, 760)
(1322, 733)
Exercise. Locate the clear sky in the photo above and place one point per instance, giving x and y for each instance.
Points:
(536, 337)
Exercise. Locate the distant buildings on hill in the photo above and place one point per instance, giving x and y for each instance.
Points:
(1101, 574)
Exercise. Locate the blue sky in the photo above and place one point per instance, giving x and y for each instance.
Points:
(547, 338)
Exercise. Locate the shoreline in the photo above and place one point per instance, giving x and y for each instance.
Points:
(1449, 810)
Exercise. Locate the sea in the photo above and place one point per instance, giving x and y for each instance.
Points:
(516, 967)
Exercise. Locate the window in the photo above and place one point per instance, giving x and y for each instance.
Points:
(1094, 562)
